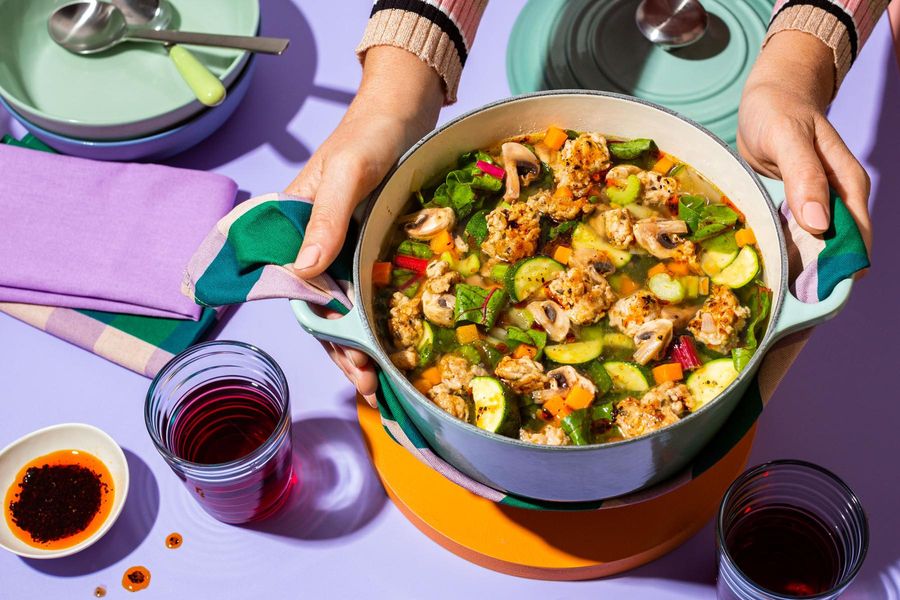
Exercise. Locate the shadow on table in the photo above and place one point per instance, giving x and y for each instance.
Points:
(134, 524)
(339, 491)
(279, 89)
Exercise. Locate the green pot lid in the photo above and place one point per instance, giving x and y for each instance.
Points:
(595, 45)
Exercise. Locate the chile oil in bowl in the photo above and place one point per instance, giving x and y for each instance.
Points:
(63, 487)
(219, 414)
(789, 529)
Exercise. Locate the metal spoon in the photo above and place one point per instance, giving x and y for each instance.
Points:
(672, 23)
(88, 26)
(157, 14)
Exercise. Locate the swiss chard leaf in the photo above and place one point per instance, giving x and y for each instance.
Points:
(715, 219)
(460, 188)
(477, 227)
(632, 149)
(759, 300)
(690, 210)
(478, 305)
(564, 228)
(578, 427)
(704, 219)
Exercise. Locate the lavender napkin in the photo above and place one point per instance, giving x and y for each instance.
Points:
(113, 237)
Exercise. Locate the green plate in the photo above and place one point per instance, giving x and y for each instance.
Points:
(129, 91)
(595, 45)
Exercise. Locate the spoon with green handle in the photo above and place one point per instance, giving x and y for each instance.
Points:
(87, 27)
(157, 14)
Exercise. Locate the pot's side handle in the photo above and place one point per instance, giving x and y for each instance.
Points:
(796, 315)
(347, 330)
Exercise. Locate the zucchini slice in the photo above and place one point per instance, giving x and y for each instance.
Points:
(718, 253)
(528, 275)
(741, 271)
(585, 236)
(495, 410)
(574, 353)
(667, 289)
(618, 341)
(710, 380)
(627, 377)
(425, 349)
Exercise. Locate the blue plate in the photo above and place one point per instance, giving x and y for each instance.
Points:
(151, 148)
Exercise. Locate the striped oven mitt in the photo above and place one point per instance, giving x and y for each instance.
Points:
(248, 256)
(141, 344)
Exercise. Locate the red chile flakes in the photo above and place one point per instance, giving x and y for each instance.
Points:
(57, 501)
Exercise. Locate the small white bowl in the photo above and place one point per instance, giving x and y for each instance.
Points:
(66, 436)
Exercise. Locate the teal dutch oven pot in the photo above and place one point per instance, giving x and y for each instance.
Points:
(571, 473)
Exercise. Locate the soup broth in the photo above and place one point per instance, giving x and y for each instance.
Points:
(568, 287)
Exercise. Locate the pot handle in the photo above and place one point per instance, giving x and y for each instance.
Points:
(346, 331)
(796, 315)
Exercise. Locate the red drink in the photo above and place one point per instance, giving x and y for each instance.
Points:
(785, 550)
(219, 414)
(223, 421)
(789, 529)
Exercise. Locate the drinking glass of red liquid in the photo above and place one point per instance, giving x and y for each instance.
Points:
(789, 529)
(219, 413)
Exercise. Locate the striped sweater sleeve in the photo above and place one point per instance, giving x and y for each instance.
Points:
(843, 25)
(440, 32)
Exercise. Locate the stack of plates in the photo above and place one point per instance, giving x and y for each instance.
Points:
(127, 103)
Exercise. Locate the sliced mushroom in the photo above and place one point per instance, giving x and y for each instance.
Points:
(567, 377)
(597, 264)
(652, 338)
(438, 308)
(405, 360)
(518, 161)
(659, 237)
(552, 318)
(429, 222)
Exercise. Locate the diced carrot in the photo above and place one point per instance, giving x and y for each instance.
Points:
(422, 385)
(704, 286)
(523, 350)
(563, 192)
(656, 269)
(432, 375)
(442, 242)
(562, 254)
(466, 334)
(627, 285)
(555, 138)
(381, 273)
(745, 237)
(579, 397)
(668, 372)
(664, 164)
(679, 268)
(556, 406)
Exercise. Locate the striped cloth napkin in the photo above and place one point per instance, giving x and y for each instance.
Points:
(139, 343)
(248, 256)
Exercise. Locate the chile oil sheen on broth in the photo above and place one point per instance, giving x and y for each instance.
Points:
(785, 550)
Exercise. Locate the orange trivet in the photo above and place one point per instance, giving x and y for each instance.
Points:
(546, 544)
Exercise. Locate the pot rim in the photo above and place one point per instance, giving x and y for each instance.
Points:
(748, 371)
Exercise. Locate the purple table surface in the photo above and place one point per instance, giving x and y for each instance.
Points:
(342, 537)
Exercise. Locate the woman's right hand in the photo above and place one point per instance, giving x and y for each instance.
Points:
(397, 103)
(784, 133)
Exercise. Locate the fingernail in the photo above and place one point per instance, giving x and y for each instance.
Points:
(372, 400)
(308, 257)
(815, 215)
